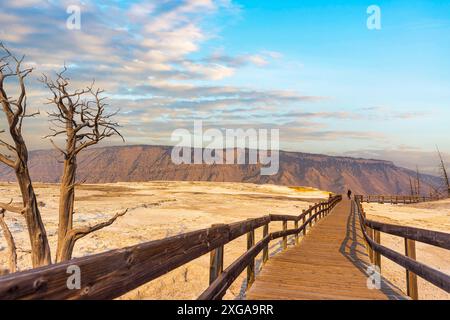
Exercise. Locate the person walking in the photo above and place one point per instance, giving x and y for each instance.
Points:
(349, 194)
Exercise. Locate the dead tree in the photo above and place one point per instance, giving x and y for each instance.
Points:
(443, 170)
(10, 242)
(81, 118)
(418, 191)
(412, 191)
(16, 155)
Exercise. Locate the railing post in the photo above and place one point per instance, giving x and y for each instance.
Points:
(411, 278)
(304, 220)
(284, 237)
(369, 249)
(251, 265)
(296, 234)
(215, 260)
(377, 257)
(310, 215)
(266, 247)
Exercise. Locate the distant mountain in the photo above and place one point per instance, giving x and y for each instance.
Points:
(145, 163)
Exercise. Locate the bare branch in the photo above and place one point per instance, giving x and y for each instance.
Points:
(7, 145)
(9, 207)
(83, 120)
(79, 233)
(7, 160)
(58, 148)
(77, 184)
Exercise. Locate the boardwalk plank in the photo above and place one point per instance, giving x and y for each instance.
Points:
(329, 263)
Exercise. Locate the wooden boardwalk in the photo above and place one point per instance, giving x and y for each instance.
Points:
(329, 263)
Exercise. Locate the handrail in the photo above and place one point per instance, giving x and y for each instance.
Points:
(218, 287)
(396, 198)
(413, 267)
(110, 274)
(435, 238)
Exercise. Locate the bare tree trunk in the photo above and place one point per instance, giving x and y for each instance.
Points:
(84, 123)
(15, 110)
(418, 182)
(444, 172)
(66, 247)
(40, 249)
(11, 244)
(66, 208)
(67, 193)
(411, 186)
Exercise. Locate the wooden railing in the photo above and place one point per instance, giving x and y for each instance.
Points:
(371, 231)
(395, 199)
(111, 274)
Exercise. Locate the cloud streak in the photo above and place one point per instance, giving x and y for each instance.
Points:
(153, 60)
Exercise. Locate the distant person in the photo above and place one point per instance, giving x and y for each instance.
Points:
(349, 194)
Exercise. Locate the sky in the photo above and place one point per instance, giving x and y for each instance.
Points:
(312, 69)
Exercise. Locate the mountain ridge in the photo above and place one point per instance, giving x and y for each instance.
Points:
(138, 163)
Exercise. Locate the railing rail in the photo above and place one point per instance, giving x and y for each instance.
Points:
(371, 230)
(113, 273)
(395, 199)
(218, 287)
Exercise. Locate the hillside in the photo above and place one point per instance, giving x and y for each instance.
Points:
(148, 163)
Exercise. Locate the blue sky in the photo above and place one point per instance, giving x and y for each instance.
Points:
(310, 68)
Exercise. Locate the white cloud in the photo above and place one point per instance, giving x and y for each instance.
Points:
(258, 60)
(145, 61)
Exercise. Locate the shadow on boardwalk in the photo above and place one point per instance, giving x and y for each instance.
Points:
(353, 249)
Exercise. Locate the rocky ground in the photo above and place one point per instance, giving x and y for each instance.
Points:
(429, 215)
(161, 209)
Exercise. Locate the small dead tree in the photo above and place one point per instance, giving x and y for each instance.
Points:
(16, 155)
(412, 191)
(418, 191)
(443, 171)
(10, 242)
(82, 119)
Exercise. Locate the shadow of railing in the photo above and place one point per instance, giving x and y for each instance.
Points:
(354, 250)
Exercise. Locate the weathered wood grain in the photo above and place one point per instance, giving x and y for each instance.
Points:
(218, 288)
(327, 264)
(435, 238)
(431, 275)
(111, 274)
(411, 278)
